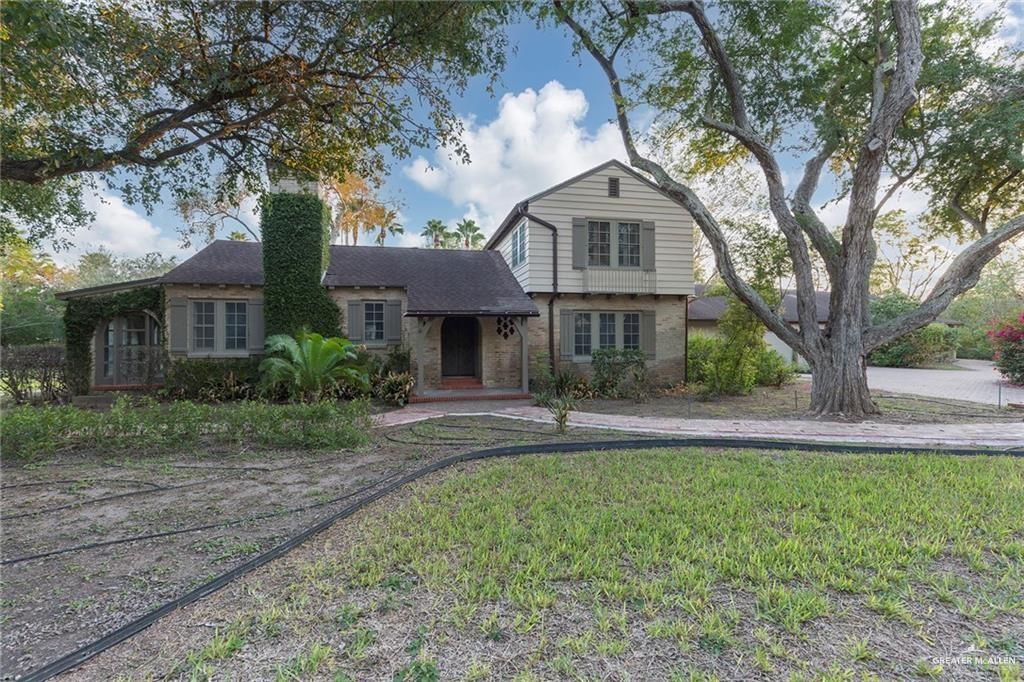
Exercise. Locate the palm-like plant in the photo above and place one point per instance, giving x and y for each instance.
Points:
(469, 232)
(436, 232)
(389, 225)
(309, 364)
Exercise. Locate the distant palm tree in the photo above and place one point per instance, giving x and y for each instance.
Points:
(389, 225)
(436, 232)
(469, 231)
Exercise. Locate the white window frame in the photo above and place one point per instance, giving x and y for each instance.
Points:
(518, 248)
(614, 225)
(382, 341)
(595, 330)
(219, 349)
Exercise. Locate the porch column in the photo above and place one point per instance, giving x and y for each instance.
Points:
(524, 353)
(423, 327)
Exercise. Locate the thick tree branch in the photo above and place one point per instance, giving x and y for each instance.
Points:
(826, 245)
(701, 215)
(961, 275)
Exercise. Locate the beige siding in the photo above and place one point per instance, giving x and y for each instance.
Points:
(588, 197)
(521, 271)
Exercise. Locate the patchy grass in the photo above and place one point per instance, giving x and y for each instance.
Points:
(662, 564)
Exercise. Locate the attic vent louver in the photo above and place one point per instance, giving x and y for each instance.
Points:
(613, 187)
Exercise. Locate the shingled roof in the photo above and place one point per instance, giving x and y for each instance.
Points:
(710, 308)
(437, 281)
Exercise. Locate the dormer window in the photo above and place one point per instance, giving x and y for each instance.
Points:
(613, 187)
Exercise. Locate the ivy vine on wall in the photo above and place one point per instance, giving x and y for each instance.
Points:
(82, 316)
(295, 252)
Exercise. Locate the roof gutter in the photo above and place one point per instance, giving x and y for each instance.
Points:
(523, 209)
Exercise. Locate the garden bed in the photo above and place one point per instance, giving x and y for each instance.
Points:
(793, 402)
(655, 564)
(129, 487)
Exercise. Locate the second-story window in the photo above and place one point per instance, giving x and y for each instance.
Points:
(629, 245)
(599, 243)
(519, 244)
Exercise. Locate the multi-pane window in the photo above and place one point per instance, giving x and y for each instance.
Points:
(606, 330)
(373, 321)
(108, 350)
(204, 325)
(599, 243)
(630, 330)
(234, 325)
(629, 245)
(581, 338)
(519, 244)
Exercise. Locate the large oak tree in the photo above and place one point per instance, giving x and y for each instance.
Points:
(189, 96)
(886, 95)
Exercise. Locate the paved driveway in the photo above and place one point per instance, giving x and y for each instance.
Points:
(976, 381)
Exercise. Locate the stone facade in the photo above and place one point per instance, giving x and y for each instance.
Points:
(670, 321)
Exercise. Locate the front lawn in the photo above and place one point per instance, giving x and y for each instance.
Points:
(655, 564)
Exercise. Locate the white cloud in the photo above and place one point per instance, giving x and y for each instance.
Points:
(537, 140)
(119, 229)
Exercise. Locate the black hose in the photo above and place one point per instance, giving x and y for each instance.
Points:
(132, 628)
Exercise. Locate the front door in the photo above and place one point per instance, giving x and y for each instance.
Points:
(460, 347)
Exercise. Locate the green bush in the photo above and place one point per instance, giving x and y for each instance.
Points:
(215, 380)
(973, 343)
(617, 372)
(568, 382)
(772, 369)
(559, 405)
(310, 367)
(928, 345)
(700, 349)
(398, 360)
(295, 253)
(394, 388)
(145, 426)
(541, 376)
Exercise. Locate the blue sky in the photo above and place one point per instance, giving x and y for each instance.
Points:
(548, 120)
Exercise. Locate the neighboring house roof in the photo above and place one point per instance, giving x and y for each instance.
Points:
(524, 205)
(710, 308)
(437, 281)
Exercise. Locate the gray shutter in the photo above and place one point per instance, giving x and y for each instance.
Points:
(355, 321)
(647, 245)
(566, 334)
(579, 243)
(254, 323)
(177, 334)
(393, 321)
(648, 330)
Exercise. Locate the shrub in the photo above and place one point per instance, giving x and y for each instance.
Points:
(295, 253)
(212, 380)
(394, 388)
(34, 373)
(143, 425)
(934, 343)
(570, 383)
(1008, 342)
(619, 373)
(700, 349)
(772, 369)
(541, 376)
(398, 360)
(310, 365)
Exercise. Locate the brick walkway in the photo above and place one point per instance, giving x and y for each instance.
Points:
(999, 435)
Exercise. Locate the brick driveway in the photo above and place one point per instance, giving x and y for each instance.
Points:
(977, 382)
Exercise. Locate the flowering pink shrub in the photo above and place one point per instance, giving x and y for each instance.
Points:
(1008, 342)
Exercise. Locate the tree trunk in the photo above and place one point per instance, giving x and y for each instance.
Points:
(839, 384)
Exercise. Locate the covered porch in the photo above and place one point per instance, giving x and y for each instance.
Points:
(461, 356)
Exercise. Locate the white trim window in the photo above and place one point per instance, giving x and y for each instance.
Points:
(597, 329)
(204, 326)
(599, 243)
(518, 255)
(373, 322)
(629, 245)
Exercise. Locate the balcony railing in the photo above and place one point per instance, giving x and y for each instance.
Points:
(619, 281)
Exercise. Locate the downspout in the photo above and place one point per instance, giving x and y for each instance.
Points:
(686, 338)
(524, 211)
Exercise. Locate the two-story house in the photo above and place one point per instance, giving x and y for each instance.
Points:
(604, 259)
(608, 257)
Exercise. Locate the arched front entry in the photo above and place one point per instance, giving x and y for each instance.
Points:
(460, 347)
(129, 350)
